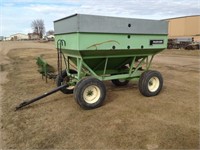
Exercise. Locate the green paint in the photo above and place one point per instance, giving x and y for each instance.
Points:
(104, 55)
(94, 41)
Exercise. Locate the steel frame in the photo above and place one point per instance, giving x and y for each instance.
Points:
(133, 72)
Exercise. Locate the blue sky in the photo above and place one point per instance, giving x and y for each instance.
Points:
(16, 15)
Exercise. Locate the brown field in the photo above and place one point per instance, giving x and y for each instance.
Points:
(127, 120)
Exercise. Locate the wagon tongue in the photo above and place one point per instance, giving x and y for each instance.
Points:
(24, 103)
(27, 102)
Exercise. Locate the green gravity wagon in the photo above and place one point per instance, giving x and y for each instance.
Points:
(100, 48)
(92, 49)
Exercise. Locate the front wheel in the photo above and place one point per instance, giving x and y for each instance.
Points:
(150, 83)
(64, 79)
(90, 93)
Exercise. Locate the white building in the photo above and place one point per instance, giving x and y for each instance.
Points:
(7, 38)
(49, 37)
(19, 36)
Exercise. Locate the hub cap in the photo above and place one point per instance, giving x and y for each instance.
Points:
(153, 84)
(91, 94)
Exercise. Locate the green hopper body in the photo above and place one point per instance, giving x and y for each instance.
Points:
(101, 46)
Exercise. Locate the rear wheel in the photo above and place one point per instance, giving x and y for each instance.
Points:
(120, 82)
(150, 83)
(64, 79)
(90, 93)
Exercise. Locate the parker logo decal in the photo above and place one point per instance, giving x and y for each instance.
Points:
(156, 42)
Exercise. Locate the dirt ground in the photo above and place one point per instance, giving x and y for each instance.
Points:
(127, 120)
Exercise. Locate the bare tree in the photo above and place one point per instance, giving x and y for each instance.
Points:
(50, 32)
(38, 27)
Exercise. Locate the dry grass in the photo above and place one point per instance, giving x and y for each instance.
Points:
(181, 52)
(127, 120)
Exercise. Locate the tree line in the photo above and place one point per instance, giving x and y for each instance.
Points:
(38, 27)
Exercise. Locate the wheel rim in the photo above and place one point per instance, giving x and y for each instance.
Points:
(153, 84)
(70, 87)
(122, 80)
(91, 94)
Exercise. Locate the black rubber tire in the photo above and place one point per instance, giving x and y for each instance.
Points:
(60, 80)
(145, 83)
(81, 89)
(117, 82)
